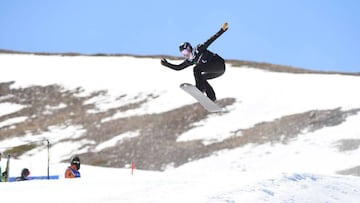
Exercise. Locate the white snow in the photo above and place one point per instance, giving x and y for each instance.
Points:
(303, 170)
(113, 141)
(12, 121)
(8, 108)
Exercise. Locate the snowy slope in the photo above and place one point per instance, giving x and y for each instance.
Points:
(303, 170)
(119, 186)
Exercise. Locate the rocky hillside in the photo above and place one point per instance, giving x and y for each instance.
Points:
(155, 145)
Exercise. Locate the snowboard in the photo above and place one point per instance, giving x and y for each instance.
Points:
(207, 103)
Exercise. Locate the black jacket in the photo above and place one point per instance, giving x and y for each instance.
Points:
(201, 55)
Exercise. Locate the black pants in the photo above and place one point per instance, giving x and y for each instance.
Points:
(207, 71)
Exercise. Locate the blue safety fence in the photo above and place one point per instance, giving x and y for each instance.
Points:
(52, 177)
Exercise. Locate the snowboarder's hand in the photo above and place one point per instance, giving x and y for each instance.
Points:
(164, 62)
(225, 26)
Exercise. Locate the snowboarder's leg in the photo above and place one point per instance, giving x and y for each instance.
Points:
(214, 69)
(208, 71)
(199, 79)
(202, 84)
(209, 91)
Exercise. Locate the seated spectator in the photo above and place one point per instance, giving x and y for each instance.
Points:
(24, 175)
(72, 171)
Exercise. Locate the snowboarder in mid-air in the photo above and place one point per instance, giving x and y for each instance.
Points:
(208, 65)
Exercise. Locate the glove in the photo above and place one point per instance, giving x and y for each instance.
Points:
(224, 26)
(164, 62)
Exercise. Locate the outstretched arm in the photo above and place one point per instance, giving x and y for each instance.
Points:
(218, 34)
(181, 66)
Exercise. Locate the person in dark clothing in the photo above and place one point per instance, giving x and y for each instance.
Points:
(208, 65)
(24, 175)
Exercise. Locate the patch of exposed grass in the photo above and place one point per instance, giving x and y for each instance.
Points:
(19, 150)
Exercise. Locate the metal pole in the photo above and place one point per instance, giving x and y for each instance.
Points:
(48, 166)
